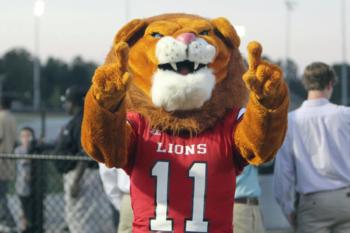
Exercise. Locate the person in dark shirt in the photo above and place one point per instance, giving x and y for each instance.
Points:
(68, 142)
(83, 193)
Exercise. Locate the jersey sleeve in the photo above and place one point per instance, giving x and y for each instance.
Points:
(133, 121)
(238, 159)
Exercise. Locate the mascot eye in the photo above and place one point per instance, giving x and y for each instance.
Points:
(156, 35)
(204, 33)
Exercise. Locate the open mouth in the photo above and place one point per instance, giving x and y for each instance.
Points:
(183, 67)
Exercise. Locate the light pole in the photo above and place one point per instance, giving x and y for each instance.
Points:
(2, 79)
(290, 7)
(344, 74)
(127, 10)
(39, 8)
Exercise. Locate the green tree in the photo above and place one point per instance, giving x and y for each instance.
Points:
(54, 73)
(17, 64)
(56, 77)
(80, 72)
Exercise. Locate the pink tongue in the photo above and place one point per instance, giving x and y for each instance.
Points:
(184, 71)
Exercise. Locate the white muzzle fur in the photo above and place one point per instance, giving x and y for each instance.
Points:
(175, 91)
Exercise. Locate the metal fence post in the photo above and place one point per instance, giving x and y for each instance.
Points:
(39, 195)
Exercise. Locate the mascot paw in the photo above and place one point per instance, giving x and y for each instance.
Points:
(264, 79)
(112, 80)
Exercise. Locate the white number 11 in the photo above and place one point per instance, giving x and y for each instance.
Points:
(198, 172)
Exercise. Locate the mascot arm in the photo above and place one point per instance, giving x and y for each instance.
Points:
(261, 132)
(105, 133)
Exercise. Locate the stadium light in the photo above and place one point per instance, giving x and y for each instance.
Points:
(290, 5)
(39, 8)
(344, 73)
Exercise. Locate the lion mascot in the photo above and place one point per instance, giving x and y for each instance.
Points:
(175, 107)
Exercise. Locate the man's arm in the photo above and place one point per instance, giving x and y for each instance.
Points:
(285, 181)
(109, 177)
(79, 172)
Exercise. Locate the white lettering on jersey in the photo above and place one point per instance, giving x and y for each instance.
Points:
(189, 150)
(202, 148)
(181, 149)
(155, 132)
(160, 149)
(170, 150)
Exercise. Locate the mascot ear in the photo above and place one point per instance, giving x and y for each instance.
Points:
(226, 32)
(129, 34)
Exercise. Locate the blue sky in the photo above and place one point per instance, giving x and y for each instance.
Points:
(87, 27)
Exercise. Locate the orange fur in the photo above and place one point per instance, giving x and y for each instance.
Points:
(97, 123)
(264, 125)
(261, 132)
(105, 132)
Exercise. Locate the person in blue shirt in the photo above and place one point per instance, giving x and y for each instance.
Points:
(247, 216)
(314, 160)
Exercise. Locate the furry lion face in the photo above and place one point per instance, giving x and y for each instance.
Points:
(178, 59)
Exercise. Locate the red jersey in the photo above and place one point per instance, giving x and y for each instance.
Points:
(183, 184)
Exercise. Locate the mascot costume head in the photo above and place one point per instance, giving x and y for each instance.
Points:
(175, 106)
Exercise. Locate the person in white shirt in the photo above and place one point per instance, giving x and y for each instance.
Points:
(314, 161)
(7, 167)
(116, 184)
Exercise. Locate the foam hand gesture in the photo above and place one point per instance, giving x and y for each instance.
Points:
(111, 80)
(264, 79)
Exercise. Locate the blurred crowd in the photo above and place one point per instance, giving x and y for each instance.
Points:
(311, 171)
(84, 199)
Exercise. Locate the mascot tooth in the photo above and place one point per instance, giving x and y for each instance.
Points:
(166, 106)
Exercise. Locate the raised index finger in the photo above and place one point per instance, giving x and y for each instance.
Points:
(121, 51)
(254, 54)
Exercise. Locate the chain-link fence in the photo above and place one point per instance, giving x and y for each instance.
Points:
(36, 198)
